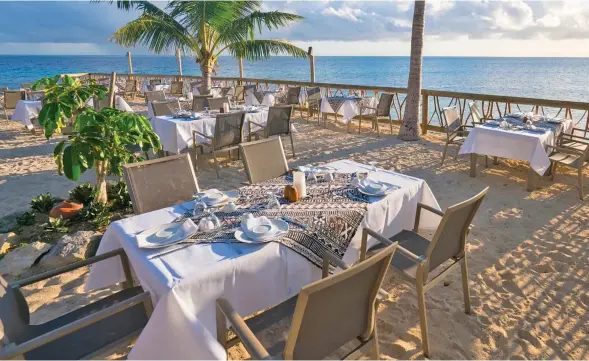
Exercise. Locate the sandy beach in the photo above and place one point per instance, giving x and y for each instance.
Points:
(529, 273)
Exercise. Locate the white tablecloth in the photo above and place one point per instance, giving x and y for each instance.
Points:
(520, 145)
(120, 104)
(215, 91)
(185, 284)
(25, 111)
(268, 100)
(349, 109)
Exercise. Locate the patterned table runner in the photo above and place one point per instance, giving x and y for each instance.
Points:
(332, 217)
(336, 102)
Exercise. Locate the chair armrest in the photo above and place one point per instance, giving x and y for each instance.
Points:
(330, 257)
(239, 327)
(364, 244)
(45, 275)
(258, 124)
(201, 134)
(580, 138)
(366, 107)
(11, 352)
(421, 206)
(566, 150)
(412, 256)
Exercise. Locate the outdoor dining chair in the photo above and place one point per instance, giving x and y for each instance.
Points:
(155, 81)
(263, 159)
(383, 109)
(100, 103)
(177, 89)
(477, 115)
(26, 85)
(313, 102)
(200, 102)
(130, 89)
(278, 124)
(573, 152)
(226, 136)
(157, 95)
(11, 99)
(326, 315)
(293, 94)
(35, 95)
(456, 132)
(87, 332)
(425, 263)
(165, 107)
(159, 183)
(217, 103)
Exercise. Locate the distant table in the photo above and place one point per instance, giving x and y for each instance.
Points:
(347, 107)
(26, 111)
(155, 87)
(524, 145)
(216, 91)
(120, 104)
(265, 97)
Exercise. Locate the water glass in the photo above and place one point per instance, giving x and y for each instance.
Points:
(273, 204)
(199, 205)
(373, 168)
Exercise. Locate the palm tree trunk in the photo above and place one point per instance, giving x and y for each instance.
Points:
(206, 78)
(410, 127)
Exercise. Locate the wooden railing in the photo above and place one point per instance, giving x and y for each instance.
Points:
(433, 101)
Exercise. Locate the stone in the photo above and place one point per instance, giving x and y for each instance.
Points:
(7, 241)
(69, 249)
(21, 258)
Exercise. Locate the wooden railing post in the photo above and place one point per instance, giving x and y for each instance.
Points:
(130, 62)
(111, 94)
(424, 112)
(312, 63)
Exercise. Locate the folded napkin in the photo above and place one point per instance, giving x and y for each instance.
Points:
(166, 234)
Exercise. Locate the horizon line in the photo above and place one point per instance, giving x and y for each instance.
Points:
(318, 56)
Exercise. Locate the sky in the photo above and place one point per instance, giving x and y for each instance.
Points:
(510, 28)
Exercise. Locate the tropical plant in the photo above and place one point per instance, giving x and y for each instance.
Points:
(43, 203)
(82, 193)
(56, 225)
(98, 214)
(26, 219)
(103, 140)
(119, 196)
(410, 126)
(206, 29)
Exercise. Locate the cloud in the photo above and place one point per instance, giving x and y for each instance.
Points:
(344, 13)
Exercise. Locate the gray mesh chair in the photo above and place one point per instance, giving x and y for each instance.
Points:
(382, 110)
(160, 183)
(11, 99)
(83, 333)
(200, 102)
(278, 124)
(424, 262)
(155, 81)
(477, 115)
(130, 89)
(217, 103)
(227, 135)
(326, 315)
(177, 89)
(36, 95)
(100, 103)
(293, 94)
(263, 159)
(314, 98)
(572, 152)
(456, 132)
(157, 95)
(165, 107)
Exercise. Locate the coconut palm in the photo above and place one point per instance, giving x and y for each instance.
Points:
(206, 29)
(410, 127)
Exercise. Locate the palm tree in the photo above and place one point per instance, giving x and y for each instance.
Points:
(410, 127)
(206, 29)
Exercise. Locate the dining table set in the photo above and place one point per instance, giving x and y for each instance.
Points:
(252, 246)
(348, 107)
(519, 136)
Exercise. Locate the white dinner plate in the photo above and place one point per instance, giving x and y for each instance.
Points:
(389, 188)
(165, 235)
(282, 229)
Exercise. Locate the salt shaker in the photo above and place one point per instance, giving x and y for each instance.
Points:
(300, 183)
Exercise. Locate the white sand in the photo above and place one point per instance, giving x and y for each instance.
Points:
(527, 253)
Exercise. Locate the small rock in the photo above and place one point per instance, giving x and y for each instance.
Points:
(7, 241)
(22, 258)
(69, 249)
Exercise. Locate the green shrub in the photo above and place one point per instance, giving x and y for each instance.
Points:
(82, 193)
(97, 214)
(26, 219)
(57, 225)
(43, 203)
(118, 195)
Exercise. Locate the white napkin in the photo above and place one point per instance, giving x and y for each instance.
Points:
(150, 237)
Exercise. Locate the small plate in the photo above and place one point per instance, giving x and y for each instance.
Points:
(164, 235)
(389, 188)
(214, 196)
(282, 229)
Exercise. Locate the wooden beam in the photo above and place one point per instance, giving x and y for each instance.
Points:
(424, 113)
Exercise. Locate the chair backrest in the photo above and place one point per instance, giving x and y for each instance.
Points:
(264, 159)
(337, 309)
(157, 95)
(279, 120)
(12, 97)
(453, 122)
(165, 107)
(26, 85)
(14, 313)
(239, 94)
(199, 102)
(477, 116)
(217, 103)
(155, 81)
(249, 89)
(384, 105)
(36, 95)
(131, 85)
(314, 93)
(225, 91)
(292, 95)
(450, 237)
(100, 103)
(177, 88)
(161, 182)
(228, 129)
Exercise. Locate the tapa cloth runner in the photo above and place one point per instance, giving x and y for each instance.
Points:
(336, 102)
(331, 214)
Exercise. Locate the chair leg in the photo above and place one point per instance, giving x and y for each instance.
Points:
(457, 151)
(349, 126)
(391, 123)
(292, 145)
(216, 163)
(444, 153)
(465, 289)
(222, 330)
(496, 160)
(374, 351)
(486, 161)
(376, 126)
(422, 319)
(581, 183)
(554, 165)
(359, 123)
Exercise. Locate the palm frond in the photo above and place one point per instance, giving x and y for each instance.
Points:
(192, 14)
(253, 50)
(125, 5)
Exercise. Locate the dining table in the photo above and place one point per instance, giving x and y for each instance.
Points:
(155, 87)
(514, 137)
(262, 97)
(185, 279)
(26, 112)
(348, 107)
(216, 91)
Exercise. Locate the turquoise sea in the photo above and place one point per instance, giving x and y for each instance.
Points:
(552, 78)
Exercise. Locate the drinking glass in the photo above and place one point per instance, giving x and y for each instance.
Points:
(273, 204)
(207, 110)
(199, 205)
(373, 169)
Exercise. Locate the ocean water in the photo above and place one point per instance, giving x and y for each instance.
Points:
(549, 78)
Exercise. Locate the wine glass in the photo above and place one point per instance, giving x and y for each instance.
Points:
(199, 205)
(207, 110)
(329, 179)
(273, 204)
(373, 168)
